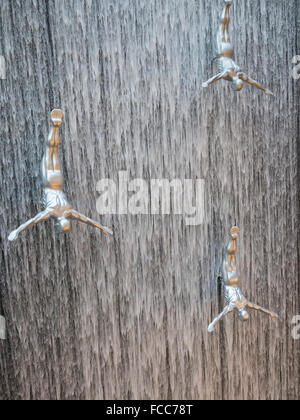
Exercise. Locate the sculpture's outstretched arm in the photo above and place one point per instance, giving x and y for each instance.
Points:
(261, 309)
(38, 218)
(252, 82)
(81, 218)
(226, 311)
(215, 79)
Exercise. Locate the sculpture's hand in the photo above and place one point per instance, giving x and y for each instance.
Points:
(38, 218)
(214, 79)
(226, 311)
(268, 92)
(211, 327)
(254, 83)
(13, 236)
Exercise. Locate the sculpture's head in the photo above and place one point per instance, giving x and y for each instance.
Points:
(227, 50)
(63, 225)
(238, 84)
(243, 315)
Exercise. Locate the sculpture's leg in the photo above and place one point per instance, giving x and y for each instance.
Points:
(81, 218)
(55, 156)
(230, 266)
(223, 34)
(48, 156)
(51, 160)
(38, 218)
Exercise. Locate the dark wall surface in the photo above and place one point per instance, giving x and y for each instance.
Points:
(93, 317)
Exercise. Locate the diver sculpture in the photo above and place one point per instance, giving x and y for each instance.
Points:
(235, 300)
(54, 200)
(228, 69)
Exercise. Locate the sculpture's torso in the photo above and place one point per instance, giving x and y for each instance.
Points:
(56, 201)
(54, 198)
(234, 295)
(226, 63)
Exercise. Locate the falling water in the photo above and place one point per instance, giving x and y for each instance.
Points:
(92, 317)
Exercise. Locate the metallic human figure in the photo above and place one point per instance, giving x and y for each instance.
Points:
(54, 200)
(235, 300)
(228, 69)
